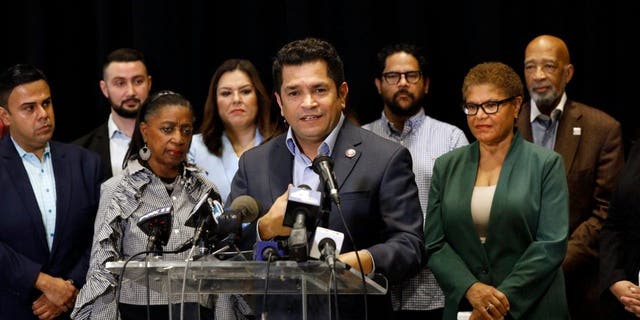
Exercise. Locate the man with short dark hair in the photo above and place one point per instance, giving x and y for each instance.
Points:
(49, 193)
(403, 81)
(376, 186)
(126, 84)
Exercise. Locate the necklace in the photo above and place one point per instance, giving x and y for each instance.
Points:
(169, 183)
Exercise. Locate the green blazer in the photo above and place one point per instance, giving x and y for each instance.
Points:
(526, 237)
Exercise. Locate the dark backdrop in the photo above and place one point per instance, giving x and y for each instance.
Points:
(185, 41)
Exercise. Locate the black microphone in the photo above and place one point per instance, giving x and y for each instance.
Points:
(157, 225)
(328, 251)
(243, 209)
(302, 200)
(302, 204)
(203, 218)
(248, 207)
(323, 166)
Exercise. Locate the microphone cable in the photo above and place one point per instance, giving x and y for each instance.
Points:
(333, 287)
(355, 249)
(184, 279)
(121, 276)
(265, 313)
(148, 284)
(189, 259)
(333, 284)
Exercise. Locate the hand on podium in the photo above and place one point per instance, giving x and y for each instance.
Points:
(350, 259)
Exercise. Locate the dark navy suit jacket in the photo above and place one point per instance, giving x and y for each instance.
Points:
(23, 246)
(378, 195)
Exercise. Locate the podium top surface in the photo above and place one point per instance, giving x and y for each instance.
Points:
(249, 277)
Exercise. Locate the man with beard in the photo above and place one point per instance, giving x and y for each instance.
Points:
(590, 142)
(403, 82)
(126, 84)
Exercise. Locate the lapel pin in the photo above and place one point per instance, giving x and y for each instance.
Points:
(350, 153)
(577, 131)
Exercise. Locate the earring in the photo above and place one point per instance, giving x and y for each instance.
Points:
(144, 153)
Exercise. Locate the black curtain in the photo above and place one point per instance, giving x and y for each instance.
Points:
(185, 41)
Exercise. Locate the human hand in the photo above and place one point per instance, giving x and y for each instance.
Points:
(270, 225)
(351, 259)
(628, 294)
(44, 309)
(487, 301)
(58, 291)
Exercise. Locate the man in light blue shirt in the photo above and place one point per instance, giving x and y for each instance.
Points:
(49, 193)
(126, 84)
(403, 82)
(379, 210)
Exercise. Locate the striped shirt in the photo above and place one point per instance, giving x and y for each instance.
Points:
(426, 138)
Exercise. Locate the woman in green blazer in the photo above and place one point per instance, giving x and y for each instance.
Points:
(497, 223)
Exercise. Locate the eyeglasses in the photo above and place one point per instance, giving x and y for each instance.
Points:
(489, 107)
(393, 77)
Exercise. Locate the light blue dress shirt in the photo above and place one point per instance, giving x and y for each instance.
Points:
(43, 182)
(545, 128)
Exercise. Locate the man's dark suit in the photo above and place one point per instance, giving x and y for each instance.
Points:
(23, 246)
(590, 141)
(98, 141)
(378, 195)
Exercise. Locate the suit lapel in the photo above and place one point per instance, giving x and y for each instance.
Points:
(20, 180)
(567, 141)
(278, 178)
(62, 174)
(346, 152)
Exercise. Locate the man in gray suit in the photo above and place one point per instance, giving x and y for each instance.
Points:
(590, 141)
(376, 186)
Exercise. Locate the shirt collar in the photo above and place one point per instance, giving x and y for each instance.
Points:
(326, 147)
(113, 128)
(22, 153)
(414, 122)
(555, 114)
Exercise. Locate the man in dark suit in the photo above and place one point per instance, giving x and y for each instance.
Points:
(126, 84)
(49, 193)
(376, 185)
(590, 141)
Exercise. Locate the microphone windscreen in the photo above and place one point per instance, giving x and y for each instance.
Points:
(320, 161)
(248, 205)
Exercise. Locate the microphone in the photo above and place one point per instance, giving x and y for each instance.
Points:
(267, 250)
(203, 217)
(157, 225)
(302, 204)
(321, 240)
(243, 209)
(302, 200)
(248, 207)
(323, 166)
(328, 251)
